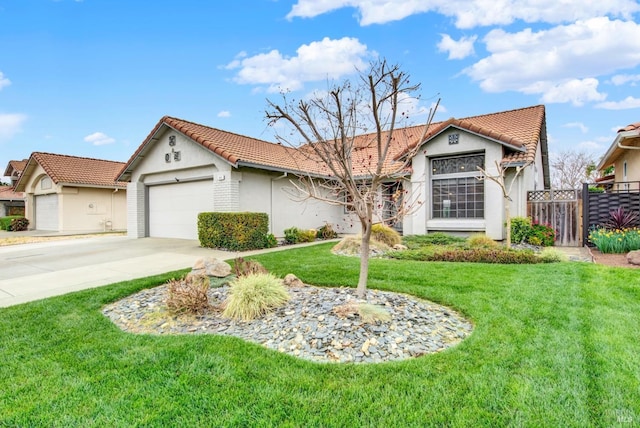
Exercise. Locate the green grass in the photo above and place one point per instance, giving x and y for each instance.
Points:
(553, 345)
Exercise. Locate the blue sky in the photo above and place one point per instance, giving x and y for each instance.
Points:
(93, 77)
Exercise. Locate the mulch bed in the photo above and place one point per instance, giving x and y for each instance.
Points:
(616, 260)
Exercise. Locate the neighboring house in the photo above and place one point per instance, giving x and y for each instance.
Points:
(624, 156)
(184, 168)
(68, 193)
(12, 202)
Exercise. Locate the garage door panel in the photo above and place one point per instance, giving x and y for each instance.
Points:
(46, 212)
(174, 208)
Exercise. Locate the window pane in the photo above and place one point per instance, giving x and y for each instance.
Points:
(457, 198)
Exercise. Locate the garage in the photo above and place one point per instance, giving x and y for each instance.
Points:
(174, 208)
(47, 212)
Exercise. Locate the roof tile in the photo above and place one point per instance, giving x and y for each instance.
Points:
(79, 170)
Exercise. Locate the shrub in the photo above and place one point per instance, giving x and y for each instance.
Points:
(292, 235)
(253, 296)
(307, 235)
(541, 234)
(242, 267)
(520, 229)
(270, 241)
(482, 241)
(350, 246)
(234, 231)
(621, 219)
(383, 233)
(436, 238)
(552, 255)
(189, 294)
(18, 224)
(326, 232)
(469, 255)
(5, 222)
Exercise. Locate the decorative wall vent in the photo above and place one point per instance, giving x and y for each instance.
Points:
(454, 138)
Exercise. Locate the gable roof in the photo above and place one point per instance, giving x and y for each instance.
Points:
(519, 130)
(15, 166)
(627, 137)
(64, 169)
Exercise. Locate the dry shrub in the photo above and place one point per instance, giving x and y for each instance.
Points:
(189, 294)
(383, 233)
(242, 267)
(482, 241)
(254, 295)
(368, 312)
(350, 245)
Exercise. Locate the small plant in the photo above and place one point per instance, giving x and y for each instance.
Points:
(436, 238)
(18, 224)
(189, 294)
(307, 235)
(292, 235)
(541, 234)
(350, 246)
(242, 267)
(253, 296)
(615, 241)
(270, 241)
(327, 232)
(520, 229)
(482, 241)
(552, 255)
(621, 219)
(383, 233)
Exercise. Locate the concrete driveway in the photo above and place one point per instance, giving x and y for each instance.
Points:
(35, 271)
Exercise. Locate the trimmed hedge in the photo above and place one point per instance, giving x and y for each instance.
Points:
(235, 231)
(471, 255)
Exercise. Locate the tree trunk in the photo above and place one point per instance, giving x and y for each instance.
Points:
(364, 259)
(507, 213)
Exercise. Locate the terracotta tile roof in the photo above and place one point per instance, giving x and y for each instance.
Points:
(74, 170)
(631, 127)
(8, 194)
(15, 165)
(518, 130)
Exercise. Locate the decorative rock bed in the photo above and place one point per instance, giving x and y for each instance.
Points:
(307, 326)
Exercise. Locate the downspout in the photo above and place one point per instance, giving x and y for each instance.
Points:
(284, 175)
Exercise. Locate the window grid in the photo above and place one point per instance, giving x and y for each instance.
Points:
(457, 192)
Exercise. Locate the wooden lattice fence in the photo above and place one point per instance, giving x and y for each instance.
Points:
(562, 210)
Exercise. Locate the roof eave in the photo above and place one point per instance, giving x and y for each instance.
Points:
(609, 158)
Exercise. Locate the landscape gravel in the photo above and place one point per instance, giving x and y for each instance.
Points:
(307, 326)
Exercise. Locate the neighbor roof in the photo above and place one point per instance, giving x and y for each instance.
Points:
(74, 170)
(15, 166)
(629, 136)
(8, 194)
(519, 130)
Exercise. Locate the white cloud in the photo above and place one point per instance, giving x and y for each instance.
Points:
(626, 104)
(4, 81)
(560, 63)
(581, 126)
(326, 59)
(470, 13)
(457, 49)
(99, 139)
(621, 79)
(10, 125)
(224, 113)
(591, 146)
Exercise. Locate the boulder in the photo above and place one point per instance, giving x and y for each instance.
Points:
(210, 266)
(633, 257)
(292, 281)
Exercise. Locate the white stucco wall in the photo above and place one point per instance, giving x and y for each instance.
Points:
(421, 220)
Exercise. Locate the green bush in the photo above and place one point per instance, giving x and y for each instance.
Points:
(253, 296)
(552, 255)
(383, 233)
(482, 241)
(234, 231)
(326, 232)
(468, 255)
(292, 235)
(520, 229)
(436, 238)
(307, 235)
(18, 224)
(5, 222)
(541, 234)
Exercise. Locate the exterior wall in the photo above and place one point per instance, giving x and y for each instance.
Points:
(136, 210)
(92, 209)
(633, 166)
(33, 188)
(273, 193)
(421, 221)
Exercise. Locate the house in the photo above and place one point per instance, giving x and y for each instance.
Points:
(624, 157)
(12, 202)
(184, 168)
(69, 194)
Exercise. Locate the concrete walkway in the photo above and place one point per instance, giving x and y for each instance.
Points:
(35, 271)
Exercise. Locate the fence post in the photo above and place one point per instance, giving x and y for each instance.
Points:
(585, 214)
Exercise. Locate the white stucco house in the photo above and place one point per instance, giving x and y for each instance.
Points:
(72, 194)
(184, 168)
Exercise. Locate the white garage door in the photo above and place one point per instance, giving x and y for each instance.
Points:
(47, 212)
(174, 208)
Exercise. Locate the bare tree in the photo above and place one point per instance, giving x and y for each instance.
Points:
(352, 144)
(571, 168)
(500, 179)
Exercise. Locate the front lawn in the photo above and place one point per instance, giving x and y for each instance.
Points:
(554, 345)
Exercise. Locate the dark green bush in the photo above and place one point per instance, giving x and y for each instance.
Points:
(468, 255)
(436, 238)
(5, 222)
(292, 235)
(520, 229)
(18, 224)
(234, 231)
(542, 234)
